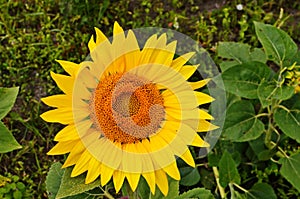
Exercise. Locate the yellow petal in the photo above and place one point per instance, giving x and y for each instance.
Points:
(203, 98)
(133, 179)
(93, 171)
(92, 45)
(180, 100)
(106, 173)
(87, 78)
(199, 84)
(81, 165)
(62, 147)
(100, 37)
(162, 181)
(199, 142)
(117, 29)
(162, 155)
(67, 133)
(150, 43)
(60, 115)
(188, 158)
(175, 142)
(187, 71)
(75, 154)
(180, 61)
(150, 179)
(70, 67)
(132, 52)
(118, 179)
(58, 100)
(205, 126)
(172, 171)
(65, 83)
(205, 115)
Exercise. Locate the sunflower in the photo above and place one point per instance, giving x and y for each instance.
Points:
(129, 111)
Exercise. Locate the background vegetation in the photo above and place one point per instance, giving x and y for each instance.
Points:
(34, 33)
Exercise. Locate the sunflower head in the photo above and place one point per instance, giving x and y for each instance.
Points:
(129, 111)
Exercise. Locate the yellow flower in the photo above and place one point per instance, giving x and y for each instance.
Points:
(129, 111)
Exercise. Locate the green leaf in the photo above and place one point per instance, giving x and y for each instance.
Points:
(267, 91)
(189, 176)
(207, 178)
(238, 53)
(258, 55)
(7, 98)
(144, 190)
(261, 190)
(228, 170)
(244, 79)
(196, 193)
(241, 125)
(290, 169)
(258, 145)
(288, 121)
(278, 45)
(7, 141)
(53, 179)
(266, 154)
(71, 186)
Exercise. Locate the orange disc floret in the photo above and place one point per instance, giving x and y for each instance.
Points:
(127, 108)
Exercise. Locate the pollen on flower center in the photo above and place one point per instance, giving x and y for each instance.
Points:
(127, 108)
(127, 104)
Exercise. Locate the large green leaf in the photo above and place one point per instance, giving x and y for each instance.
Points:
(241, 125)
(261, 190)
(267, 91)
(278, 45)
(244, 79)
(53, 179)
(7, 141)
(289, 121)
(290, 169)
(189, 176)
(228, 170)
(71, 186)
(144, 190)
(238, 53)
(7, 99)
(196, 193)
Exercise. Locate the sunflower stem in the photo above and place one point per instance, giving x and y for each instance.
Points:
(221, 189)
(106, 193)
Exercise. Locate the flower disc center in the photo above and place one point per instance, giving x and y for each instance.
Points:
(127, 104)
(127, 108)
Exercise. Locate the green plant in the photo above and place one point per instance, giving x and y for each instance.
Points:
(262, 116)
(12, 187)
(7, 100)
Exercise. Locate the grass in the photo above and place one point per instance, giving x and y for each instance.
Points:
(33, 34)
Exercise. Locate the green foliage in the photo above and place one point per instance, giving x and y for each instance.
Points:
(243, 79)
(291, 169)
(61, 185)
(241, 123)
(277, 44)
(12, 187)
(228, 170)
(261, 190)
(7, 98)
(264, 115)
(238, 53)
(196, 193)
(189, 176)
(53, 180)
